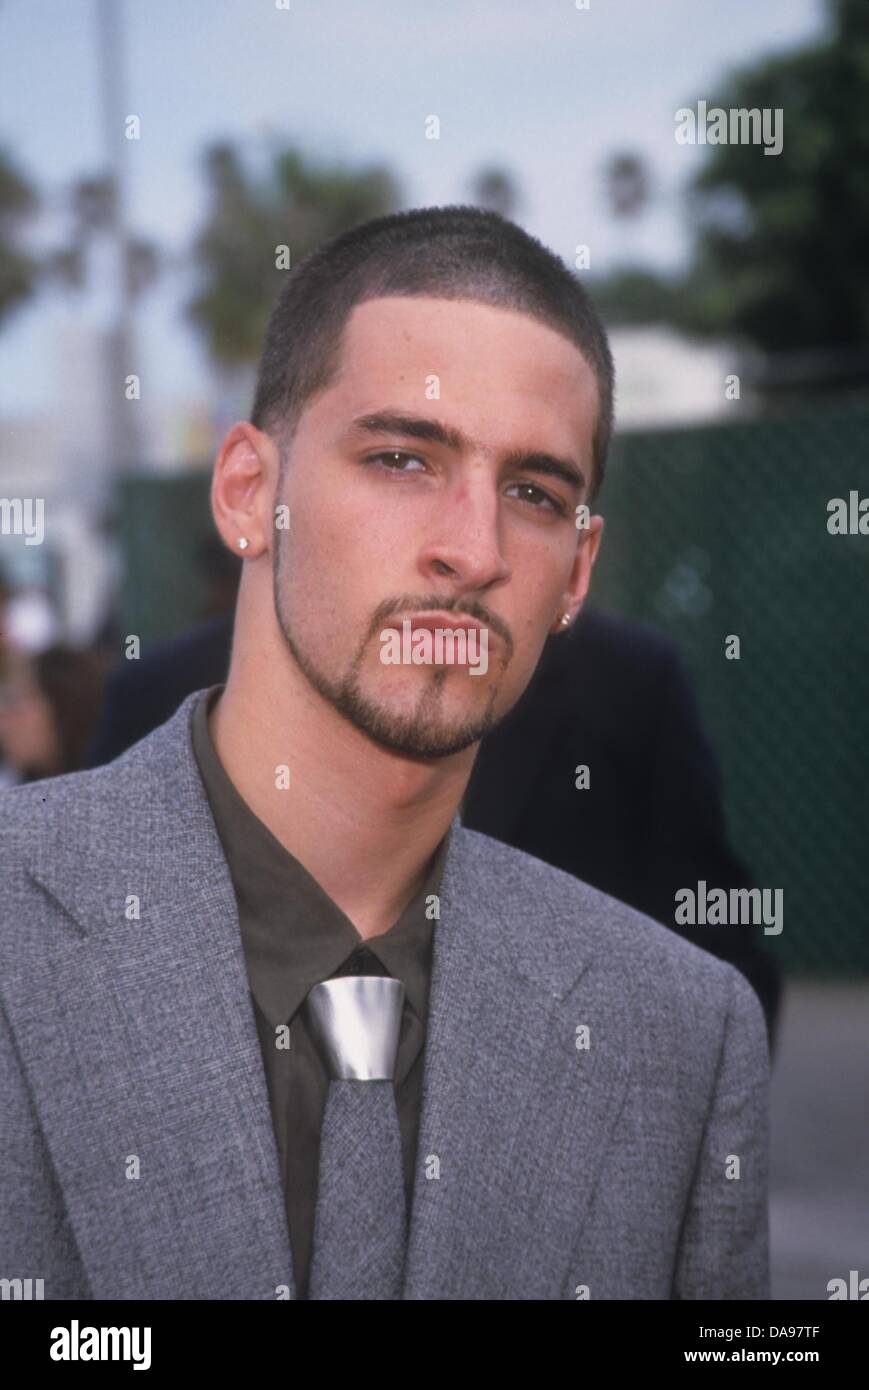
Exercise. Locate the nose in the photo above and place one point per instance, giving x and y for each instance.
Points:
(464, 538)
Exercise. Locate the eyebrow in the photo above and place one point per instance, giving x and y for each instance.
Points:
(421, 427)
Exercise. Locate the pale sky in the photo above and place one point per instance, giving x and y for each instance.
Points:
(544, 88)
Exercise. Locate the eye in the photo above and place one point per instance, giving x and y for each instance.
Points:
(553, 502)
(393, 459)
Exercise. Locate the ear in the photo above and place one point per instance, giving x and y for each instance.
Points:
(573, 596)
(242, 489)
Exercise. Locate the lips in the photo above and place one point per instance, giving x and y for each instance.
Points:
(441, 620)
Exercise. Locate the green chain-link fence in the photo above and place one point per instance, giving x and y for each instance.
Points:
(164, 521)
(723, 530)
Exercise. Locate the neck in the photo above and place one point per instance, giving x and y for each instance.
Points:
(363, 820)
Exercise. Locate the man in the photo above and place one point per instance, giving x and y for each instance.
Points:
(275, 1023)
(614, 697)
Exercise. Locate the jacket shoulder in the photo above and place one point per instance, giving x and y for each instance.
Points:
(548, 911)
(29, 810)
(87, 823)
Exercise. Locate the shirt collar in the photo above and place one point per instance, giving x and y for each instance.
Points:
(293, 934)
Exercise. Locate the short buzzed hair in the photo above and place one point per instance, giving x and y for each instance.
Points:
(455, 252)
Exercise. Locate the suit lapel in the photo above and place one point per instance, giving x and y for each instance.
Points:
(515, 1119)
(140, 1044)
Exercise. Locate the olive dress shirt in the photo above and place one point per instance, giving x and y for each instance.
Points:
(294, 936)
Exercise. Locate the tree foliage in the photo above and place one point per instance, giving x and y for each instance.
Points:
(795, 273)
(781, 248)
(296, 204)
(18, 271)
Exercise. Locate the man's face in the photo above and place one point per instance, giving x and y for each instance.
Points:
(385, 524)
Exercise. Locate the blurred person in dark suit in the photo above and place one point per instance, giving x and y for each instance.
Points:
(612, 695)
(48, 707)
(615, 698)
(142, 694)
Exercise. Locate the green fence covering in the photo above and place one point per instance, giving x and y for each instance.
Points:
(723, 530)
(164, 520)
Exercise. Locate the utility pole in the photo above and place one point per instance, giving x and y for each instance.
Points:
(119, 359)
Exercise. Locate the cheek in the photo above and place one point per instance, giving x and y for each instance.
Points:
(314, 551)
(541, 572)
(332, 572)
(331, 521)
(353, 547)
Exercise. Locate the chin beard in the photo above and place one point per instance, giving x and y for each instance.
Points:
(416, 735)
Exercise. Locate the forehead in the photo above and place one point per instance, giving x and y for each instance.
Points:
(491, 363)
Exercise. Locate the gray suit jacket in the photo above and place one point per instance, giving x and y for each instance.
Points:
(137, 1156)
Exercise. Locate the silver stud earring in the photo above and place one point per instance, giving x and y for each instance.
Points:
(242, 543)
(565, 619)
